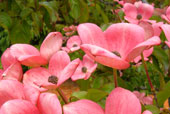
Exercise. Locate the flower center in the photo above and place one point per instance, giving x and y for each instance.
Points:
(53, 79)
(75, 45)
(139, 16)
(84, 69)
(116, 53)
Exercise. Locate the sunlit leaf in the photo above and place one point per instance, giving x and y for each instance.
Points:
(153, 109)
(96, 94)
(163, 94)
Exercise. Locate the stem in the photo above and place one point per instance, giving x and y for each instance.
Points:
(149, 80)
(115, 77)
(63, 96)
(36, 5)
(147, 74)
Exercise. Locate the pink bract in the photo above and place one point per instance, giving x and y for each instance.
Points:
(117, 46)
(11, 67)
(30, 56)
(167, 15)
(166, 29)
(10, 89)
(48, 103)
(84, 69)
(122, 101)
(138, 11)
(18, 106)
(7, 59)
(83, 107)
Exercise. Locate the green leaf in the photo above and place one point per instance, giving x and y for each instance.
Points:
(75, 9)
(4, 40)
(96, 95)
(161, 76)
(104, 16)
(80, 94)
(123, 84)
(37, 23)
(5, 20)
(83, 84)
(98, 82)
(108, 87)
(25, 12)
(49, 7)
(157, 18)
(20, 33)
(84, 15)
(153, 109)
(163, 94)
(161, 55)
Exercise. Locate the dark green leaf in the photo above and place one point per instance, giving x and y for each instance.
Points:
(75, 9)
(25, 12)
(161, 55)
(49, 7)
(20, 33)
(98, 82)
(5, 20)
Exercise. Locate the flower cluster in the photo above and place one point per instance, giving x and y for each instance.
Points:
(116, 47)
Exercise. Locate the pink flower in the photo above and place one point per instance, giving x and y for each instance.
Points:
(122, 101)
(144, 100)
(60, 69)
(17, 98)
(167, 15)
(12, 89)
(73, 44)
(117, 46)
(11, 67)
(84, 69)
(70, 30)
(30, 56)
(137, 12)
